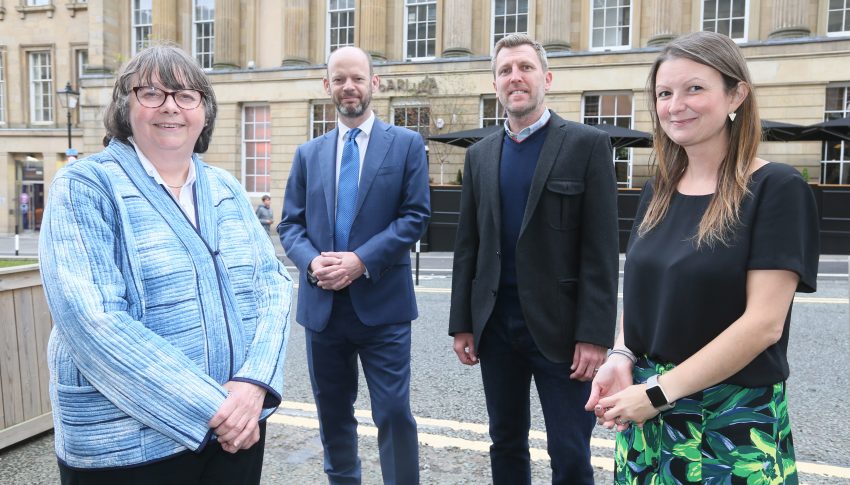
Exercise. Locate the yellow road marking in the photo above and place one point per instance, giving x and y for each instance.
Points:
(537, 454)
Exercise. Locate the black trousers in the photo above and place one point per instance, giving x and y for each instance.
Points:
(211, 466)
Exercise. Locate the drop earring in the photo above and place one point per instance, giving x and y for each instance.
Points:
(732, 116)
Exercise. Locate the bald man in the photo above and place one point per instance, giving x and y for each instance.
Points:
(356, 200)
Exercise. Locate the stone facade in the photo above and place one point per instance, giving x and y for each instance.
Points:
(270, 53)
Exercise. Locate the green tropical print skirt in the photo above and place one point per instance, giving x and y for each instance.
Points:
(725, 434)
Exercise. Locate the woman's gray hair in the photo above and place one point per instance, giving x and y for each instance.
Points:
(175, 70)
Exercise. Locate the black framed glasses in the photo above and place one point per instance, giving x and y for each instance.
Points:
(153, 97)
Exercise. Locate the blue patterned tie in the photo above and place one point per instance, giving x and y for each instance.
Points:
(346, 193)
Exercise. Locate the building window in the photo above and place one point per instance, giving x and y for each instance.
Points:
(614, 109)
(509, 17)
(492, 112)
(323, 119)
(41, 87)
(340, 24)
(256, 148)
(2, 87)
(838, 17)
(142, 21)
(835, 167)
(37, 3)
(727, 17)
(414, 117)
(203, 18)
(82, 64)
(611, 24)
(421, 35)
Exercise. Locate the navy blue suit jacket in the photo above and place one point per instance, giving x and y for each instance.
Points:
(393, 208)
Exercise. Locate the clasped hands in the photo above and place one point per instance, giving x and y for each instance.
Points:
(336, 270)
(237, 421)
(615, 401)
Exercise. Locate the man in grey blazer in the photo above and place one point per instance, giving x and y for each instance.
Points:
(534, 284)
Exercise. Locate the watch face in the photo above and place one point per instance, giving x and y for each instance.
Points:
(656, 396)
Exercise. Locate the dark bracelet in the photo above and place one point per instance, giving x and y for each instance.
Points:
(624, 352)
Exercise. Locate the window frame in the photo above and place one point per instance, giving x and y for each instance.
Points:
(629, 162)
(845, 14)
(428, 39)
(844, 147)
(497, 120)
(200, 24)
(527, 14)
(351, 26)
(136, 45)
(746, 34)
(591, 29)
(327, 124)
(49, 92)
(418, 104)
(3, 97)
(243, 148)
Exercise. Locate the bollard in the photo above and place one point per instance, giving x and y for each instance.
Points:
(17, 241)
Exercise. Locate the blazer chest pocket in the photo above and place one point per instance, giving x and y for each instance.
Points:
(562, 201)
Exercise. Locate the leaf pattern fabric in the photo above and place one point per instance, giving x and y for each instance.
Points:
(726, 434)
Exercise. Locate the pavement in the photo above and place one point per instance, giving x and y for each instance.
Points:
(447, 400)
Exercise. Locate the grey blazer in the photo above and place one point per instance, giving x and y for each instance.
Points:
(567, 252)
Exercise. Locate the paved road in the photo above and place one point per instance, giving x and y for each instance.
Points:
(448, 402)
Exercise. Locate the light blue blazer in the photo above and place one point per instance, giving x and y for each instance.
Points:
(152, 316)
(392, 212)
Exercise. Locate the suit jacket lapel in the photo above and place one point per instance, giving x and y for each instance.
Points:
(326, 165)
(379, 145)
(489, 169)
(548, 154)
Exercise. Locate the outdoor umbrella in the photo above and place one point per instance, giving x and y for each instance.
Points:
(620, 137)
(780, 131)
(626, 137)
(837, 129)
(465, 138)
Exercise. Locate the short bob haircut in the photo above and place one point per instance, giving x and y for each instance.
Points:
(175, 70)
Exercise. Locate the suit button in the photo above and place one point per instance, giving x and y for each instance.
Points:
(493, 292)
(499, 254)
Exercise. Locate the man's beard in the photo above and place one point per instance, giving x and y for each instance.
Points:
(354, 111)
(521, 112)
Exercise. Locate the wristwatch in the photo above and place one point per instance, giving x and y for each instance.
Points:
(656, 394)
(311, 278)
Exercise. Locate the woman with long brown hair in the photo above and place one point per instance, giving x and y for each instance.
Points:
(695, 384)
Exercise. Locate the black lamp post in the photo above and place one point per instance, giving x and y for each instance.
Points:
(68, 98)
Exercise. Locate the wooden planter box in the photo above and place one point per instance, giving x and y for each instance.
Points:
(25, 325)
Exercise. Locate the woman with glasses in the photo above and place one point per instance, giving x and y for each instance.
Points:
(171, 310)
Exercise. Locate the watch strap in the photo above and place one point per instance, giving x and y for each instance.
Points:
(656, 395)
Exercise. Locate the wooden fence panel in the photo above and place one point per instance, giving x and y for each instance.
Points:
(27, 353)
(43, 326)
(24, 377)
(10, 369)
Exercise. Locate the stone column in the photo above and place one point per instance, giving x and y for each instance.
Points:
(227, 34)
(457, 28)
(789, 19)
(665, 16)
(164, 27)
(555, 24)
(104, 18)
(296, 33)
(371, 25)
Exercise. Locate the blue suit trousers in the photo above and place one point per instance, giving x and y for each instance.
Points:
(384, 352)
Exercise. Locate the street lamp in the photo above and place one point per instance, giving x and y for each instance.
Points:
(68, 98)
